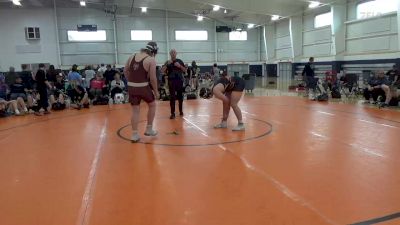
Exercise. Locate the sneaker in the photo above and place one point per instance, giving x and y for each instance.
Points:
(383, 105)
(172, 117)
(239, 127)
(221, 125)
(181, 114)
(135, 138)
(151, 133)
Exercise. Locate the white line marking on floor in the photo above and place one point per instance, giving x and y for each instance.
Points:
(326, 113)
(203, 132)
(84, 212)
(382, 124)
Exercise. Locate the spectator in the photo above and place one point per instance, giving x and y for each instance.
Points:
(79, 97)
(3, 87)
(102, 69)
(8, 107)
(26, 77)
(393, 74)
(74, 75)
(52, 74)
(117, 85)
(57, 99)
(89, 74)
(11, 75)
(41, 87)
(377, 86)
(309, 76)
(18, 90)
(109, 74)
(97, 86)
(215, 72)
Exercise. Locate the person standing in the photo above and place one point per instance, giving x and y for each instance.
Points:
(174, 68)
(41, 86)
(309, 75)
(140, 71)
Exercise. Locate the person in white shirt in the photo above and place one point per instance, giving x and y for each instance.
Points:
(102, 68)
(117, 85)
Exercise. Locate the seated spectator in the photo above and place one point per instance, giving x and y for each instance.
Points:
(12, 107)
(27, 78)
(11, 75)
(378, 85)
(51, 74)
(97, 86)
(57, 100)
(3, 87)
(79, 97)
(74, 76)
(117, 85)
(18, 89)
(109, 74)
(89, 75)
(393, 74)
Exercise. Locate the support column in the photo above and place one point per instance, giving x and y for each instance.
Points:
(269, 42)
(339, 14)
(167, 33)
(57, 35)
(296, 37)
(398, 21)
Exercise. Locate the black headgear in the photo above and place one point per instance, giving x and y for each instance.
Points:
(152, 47)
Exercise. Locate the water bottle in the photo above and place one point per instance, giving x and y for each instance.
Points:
(110, 102)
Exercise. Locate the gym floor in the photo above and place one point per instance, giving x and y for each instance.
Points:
(298, 162)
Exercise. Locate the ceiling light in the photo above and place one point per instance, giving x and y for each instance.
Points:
(225, 11)
(16, 2)
(314, 4)
(144, 9)
(250, 25)
(238, 29)
(275, 17)
(216, 8)
(200, 18)
(83, 3)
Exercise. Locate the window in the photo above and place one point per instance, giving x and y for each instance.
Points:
(375, 8)
(141, 35)
(99, 35)
(323, 20)
(238, 36)
(191, 35)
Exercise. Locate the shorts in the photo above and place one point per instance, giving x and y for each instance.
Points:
(14, 96)
(239, 84)
(137, 94)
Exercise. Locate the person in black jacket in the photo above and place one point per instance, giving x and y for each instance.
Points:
(309, 75)
(41, 87)
(175, 68)
(378, 85)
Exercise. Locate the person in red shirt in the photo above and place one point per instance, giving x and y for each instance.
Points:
(97, 85)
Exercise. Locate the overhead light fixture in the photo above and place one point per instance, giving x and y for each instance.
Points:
(144, 9)
(16, 2)
(238, 29)
(314, 4)
(216, 8)
(275, 17)
(200, 18)
(225, 11)
(250, 25)
(82, 3)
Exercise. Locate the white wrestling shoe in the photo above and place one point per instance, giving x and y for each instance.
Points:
(221, 125)
(239, 127)
(151, 133)
(135, 138)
